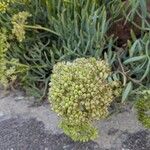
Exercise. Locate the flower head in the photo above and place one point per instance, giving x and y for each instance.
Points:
(143, 107)
(80, 92)
(4, 5)
(19, 21)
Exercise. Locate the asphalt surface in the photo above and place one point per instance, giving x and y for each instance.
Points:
(23, 127)
(30, 134)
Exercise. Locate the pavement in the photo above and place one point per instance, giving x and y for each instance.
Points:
(24, 126)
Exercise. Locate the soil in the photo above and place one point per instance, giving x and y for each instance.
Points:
(122, 30)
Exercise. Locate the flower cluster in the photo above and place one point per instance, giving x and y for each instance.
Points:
(143, 108)
(9, 68)
(3, 49)
(79, 132)
(4, 5)
(80, 92)
(19, 22)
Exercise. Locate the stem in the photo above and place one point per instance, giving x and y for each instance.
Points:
(42, 28)
(17, 64)
(125, 73)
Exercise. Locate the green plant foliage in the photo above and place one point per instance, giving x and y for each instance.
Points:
(135, 68)
(80, 93)
(82, 27)
(31, 50)
(138, 9)
(63, 30)
(139, 58)
(143, 108)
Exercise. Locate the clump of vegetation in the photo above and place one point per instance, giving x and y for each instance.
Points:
(36, 35)
(66, 30)
(80, 92)
(9, 68)
(143, 108)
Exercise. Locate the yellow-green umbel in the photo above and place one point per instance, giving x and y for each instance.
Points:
(143, 108)
(9, 68)
(80, 93)
(5, 4)
(19, 21)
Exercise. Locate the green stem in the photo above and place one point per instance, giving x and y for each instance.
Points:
(41, 28)
(23, 65)
(17, 64)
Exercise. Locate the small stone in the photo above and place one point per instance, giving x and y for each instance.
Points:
(19, 98)
(65, 147)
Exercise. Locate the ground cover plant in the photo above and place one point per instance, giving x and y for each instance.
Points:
(36, 35)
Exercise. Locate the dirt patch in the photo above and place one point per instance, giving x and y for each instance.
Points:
(122, 31)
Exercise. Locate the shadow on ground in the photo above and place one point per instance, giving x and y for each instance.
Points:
(30, 134)
(23, 127)
(21, 134)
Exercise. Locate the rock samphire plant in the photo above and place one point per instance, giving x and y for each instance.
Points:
(81, 92)
(143, 108)
(10, 69)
